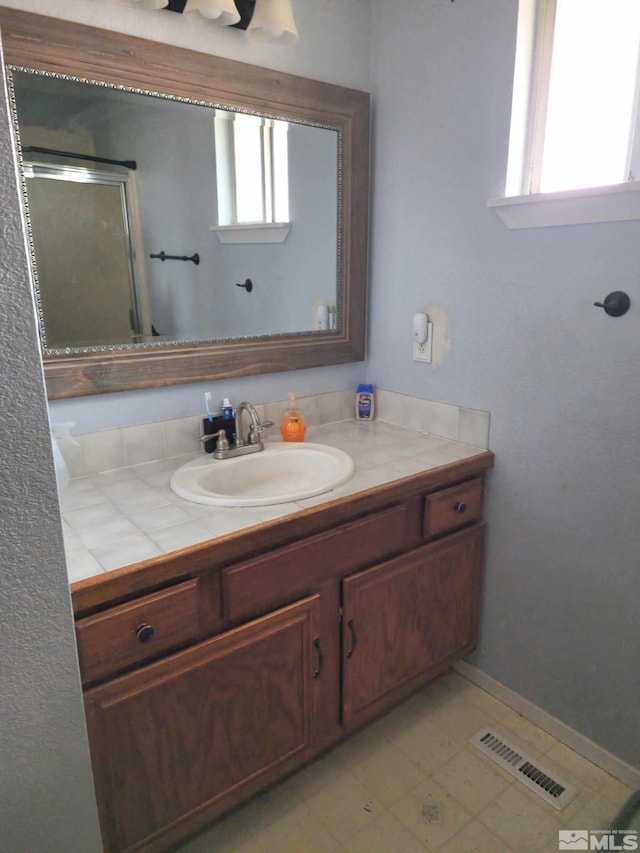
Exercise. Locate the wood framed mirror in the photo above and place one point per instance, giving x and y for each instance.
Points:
(53, 49)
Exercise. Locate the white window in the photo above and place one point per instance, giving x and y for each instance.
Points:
(252, 169)
(574, 147)
(575, 120)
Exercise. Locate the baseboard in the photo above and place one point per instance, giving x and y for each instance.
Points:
(561, 731)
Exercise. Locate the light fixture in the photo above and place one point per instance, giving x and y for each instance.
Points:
(273, 21)
(143, 4)
(220, 12)
(265, 20)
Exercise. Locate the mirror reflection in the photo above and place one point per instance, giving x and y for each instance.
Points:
(150, 216)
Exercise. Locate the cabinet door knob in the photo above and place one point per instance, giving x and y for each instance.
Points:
(318, 648)
(145, 633)
(460, 507)
(354, 639)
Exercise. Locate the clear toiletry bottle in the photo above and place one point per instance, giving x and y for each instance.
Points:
(293, 426)
(365, 403)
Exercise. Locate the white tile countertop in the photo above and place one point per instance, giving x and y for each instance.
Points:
(120, 517)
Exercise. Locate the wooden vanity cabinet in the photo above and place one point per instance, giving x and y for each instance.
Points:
(139, 631)
(303, 643)
(404, 619)
(174, 743)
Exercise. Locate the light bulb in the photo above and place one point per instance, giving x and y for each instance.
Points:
(273, 21)
(219, 12)
(142, 4)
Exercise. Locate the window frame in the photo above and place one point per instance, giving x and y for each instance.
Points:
(227, 172)
(539, 99)
(524, 205)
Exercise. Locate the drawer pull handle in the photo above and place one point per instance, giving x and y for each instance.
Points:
(354, 639)
(145, 633)
(318, 648)
(460, 507)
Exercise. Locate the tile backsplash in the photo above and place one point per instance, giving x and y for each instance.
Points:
(106, 450)
(456, 423)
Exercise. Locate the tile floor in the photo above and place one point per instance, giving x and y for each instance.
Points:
(411, 783)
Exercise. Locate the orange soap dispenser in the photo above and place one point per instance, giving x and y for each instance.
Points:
(293, 426)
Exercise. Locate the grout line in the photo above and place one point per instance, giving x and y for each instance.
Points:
(602, 758)
(347, 772)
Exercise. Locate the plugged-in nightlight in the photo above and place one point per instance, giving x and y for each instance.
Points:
(273, 21)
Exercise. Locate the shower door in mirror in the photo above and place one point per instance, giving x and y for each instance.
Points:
(80, 228)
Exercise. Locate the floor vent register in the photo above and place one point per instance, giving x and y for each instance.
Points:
(528, 770)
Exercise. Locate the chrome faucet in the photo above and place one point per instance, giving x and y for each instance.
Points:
(253, 437)
(253, 441)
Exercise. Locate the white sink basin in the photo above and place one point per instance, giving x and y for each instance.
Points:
(279, 473)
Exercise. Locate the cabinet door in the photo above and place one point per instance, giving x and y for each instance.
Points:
(175, 744)
(407, 617)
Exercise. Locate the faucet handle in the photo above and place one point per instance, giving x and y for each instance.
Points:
(223, 441)
(255, 431)
(221, 436)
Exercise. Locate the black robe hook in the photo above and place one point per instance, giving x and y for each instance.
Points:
(615, 304)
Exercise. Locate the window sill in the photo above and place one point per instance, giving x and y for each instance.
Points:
(618, 203)
(268, 233)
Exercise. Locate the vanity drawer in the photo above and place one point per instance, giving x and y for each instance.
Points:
(138, 631)
(286, 573)
(452, 508)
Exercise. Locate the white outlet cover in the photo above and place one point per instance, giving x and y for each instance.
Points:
(422, 352)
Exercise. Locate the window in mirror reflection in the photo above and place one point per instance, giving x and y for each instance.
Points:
(252, 164)
(171, 194)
